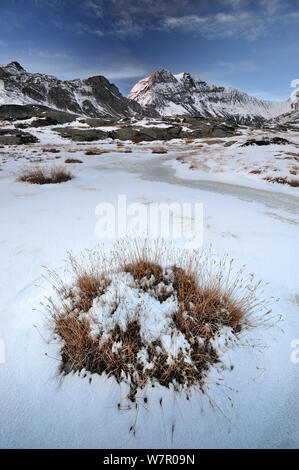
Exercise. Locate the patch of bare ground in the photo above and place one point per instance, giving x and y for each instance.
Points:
(45, 175)
(105, 329)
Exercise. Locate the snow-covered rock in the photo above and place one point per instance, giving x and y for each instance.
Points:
(94, 96)
(289, 120)
(182, 94)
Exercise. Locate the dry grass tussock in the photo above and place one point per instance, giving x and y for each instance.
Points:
(73, 160)
(96, 151)
(159, 150)
(294, 182)
(194, 298)
(45, 175)
(50, 150)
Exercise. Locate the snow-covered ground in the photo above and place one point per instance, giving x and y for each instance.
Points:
(256, 222)
(224, 160)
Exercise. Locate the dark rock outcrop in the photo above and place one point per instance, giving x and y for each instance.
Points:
(14, 112)
(16, 137)
(266, 141)
(285, 122)
(148, 134)
(81, 135)
(98, 122)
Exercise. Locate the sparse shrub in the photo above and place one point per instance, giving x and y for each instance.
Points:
(45, 175)
(283, 180)
(51, 150)
(190, 140)
(136, 139)
(149, 314)
(294, 182)
(73, 160)
(292, 154)
(95, 151)
(159, 150)
(182, 158)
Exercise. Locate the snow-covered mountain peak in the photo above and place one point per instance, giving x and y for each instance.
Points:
(185, 78)
(162, 76)
(295, 100)
(14, 68)
(94, 96)
(182, 94)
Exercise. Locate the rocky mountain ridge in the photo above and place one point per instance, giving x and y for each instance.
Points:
(184, 95)
(93, 97)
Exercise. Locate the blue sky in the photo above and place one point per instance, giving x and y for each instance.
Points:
(250, 45)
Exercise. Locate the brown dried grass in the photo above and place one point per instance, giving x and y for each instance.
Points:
(73, 160)
(159, 150)
(210, 295)
(45, 175)
(293, 182)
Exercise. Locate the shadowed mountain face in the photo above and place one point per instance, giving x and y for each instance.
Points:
(182, 94)
(94, 96)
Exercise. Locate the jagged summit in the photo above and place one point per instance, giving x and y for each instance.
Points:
(15, 65)
(94, 96)
(186, 78)
(183, 94)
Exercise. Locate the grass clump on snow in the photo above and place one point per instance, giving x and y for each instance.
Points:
(45, 175)
(73, 160)
(149, 314)
(294, 182)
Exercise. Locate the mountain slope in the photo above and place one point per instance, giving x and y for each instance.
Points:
(181, 94)
(94, 96)
(290, 120)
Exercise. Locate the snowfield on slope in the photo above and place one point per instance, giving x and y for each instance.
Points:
(252, 402)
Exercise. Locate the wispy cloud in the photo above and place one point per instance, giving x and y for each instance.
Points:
(95, 7)
(127, 27)
(47, 54)
(224, 72)
(78, 27)
(119, 65)
(226, 25)
(115, 65)
(230, 19)
(3, 44)
(237, 66)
